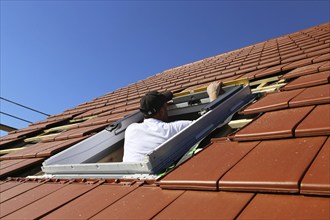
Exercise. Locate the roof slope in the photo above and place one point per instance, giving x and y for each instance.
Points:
(277, 166)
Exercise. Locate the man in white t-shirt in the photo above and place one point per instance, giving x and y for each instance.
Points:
(142, 138)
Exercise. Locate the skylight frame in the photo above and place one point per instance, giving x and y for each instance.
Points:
(166, 154)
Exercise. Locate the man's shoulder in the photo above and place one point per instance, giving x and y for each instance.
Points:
(133, 125)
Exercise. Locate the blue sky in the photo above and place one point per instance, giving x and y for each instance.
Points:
(56, 55)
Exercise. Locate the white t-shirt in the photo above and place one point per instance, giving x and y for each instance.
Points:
(142, 138)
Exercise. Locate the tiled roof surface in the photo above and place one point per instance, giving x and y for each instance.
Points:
(276, 166)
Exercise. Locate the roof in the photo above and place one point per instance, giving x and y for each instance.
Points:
(276, 166)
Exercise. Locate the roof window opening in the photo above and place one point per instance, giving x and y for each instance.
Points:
(100, 156)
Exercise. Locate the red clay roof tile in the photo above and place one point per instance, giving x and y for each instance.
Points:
(51, 201)
(18, 165)
(311, 44)
(272, 101)
(265, 206)
(206, 205)
(19, 189)
(318, 47)
(225, 76)
(53, 121)
(268, 64)
(325, 67)
(270, 71)
(308, 81)
(28, 152)
(251, 75)
(4, 164)
(24, 133)
(6, 185)
(292, 54)
(271, 125)
(24, 199)
(316, 123)
(296, 63)
(273, 166)
(309, 69)
(41, 149)
(142, 203)
(79, 132)
(317, 178)
(5, 142)
(324, 57)
(197, 173)
(318, 52)
(242, 71)
(91, 203)
(312, 96)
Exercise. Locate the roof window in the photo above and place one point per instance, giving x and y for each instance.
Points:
(100, 155)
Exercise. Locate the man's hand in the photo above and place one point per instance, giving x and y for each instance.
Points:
(213, 90)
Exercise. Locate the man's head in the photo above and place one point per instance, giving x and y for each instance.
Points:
(153, 103)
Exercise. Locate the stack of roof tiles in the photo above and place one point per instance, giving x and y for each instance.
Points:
(277, 166)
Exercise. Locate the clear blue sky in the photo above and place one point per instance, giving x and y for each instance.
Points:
(56, 55)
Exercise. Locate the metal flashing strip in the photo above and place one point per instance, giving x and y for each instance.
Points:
(79, 160)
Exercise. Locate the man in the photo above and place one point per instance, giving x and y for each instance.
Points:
(142, 138)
